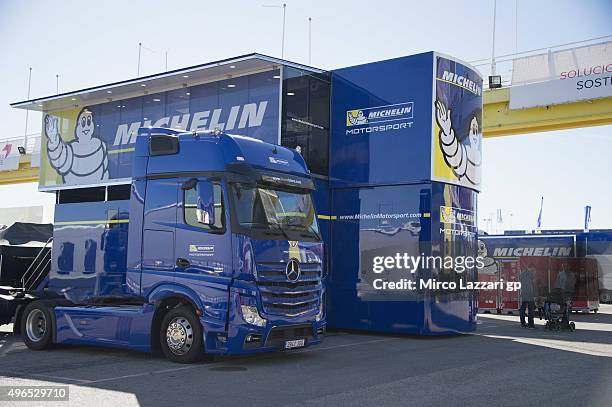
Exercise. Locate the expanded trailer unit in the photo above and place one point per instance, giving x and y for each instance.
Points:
(394, 150)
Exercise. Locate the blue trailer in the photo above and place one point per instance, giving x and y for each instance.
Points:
(404, 177)
(213, 248)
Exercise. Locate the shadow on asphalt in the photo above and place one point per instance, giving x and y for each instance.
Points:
(346, 363)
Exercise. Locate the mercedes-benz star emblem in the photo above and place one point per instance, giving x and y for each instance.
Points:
(293, 270)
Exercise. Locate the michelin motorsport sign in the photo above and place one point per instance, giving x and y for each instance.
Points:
(94, 144)
(379, 118)
(457, 128)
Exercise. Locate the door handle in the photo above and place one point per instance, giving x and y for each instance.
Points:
(184, 263)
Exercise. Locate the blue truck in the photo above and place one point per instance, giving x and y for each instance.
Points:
(213, 248)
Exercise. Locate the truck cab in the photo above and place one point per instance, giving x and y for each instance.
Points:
(216, 251)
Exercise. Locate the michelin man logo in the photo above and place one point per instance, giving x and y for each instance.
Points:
(82, 160)
(355, 117)
(464, 157)
(447, 215)
(489, 263)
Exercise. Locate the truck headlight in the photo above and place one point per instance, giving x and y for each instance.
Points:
(251, 315)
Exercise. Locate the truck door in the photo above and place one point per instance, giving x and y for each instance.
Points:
(158, 257)
(203, 244)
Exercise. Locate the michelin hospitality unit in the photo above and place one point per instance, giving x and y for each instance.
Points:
(585, 255)
(393, 148)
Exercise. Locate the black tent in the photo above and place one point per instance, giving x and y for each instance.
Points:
(21, 233)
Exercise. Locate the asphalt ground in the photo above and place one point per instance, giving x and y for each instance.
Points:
(501, 364)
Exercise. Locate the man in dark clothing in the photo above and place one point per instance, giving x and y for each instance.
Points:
(527, 295)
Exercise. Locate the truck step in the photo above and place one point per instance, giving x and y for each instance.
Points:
(118, 300)
(8, 290)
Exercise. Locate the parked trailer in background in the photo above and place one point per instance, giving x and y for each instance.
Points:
(604, 269)
(578, 279)
(502, 252)
(597, 244)
(548, 253)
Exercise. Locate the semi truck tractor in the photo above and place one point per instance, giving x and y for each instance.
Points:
(213, 248)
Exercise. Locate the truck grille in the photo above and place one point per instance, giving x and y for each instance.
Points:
(282, 297)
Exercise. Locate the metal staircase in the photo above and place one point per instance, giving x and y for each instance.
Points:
(39, 269)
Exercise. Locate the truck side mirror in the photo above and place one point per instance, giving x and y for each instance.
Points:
(205, 211)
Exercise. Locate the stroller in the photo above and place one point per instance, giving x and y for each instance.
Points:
(557, 310)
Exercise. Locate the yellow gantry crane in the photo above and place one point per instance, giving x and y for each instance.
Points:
(25, 172)
(498, 118)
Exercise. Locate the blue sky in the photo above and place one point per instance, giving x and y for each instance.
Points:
(89, 43)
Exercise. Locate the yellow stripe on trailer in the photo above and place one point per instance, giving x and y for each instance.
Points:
(287, 214)
(92, 222)
(326, 217)
(121, 150)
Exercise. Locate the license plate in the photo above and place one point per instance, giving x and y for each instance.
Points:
(298, 343)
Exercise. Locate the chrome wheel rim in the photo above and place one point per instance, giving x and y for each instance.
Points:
(179, 336)
(36, 325)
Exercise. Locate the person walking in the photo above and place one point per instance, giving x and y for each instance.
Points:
(561, 280)
(527, 296)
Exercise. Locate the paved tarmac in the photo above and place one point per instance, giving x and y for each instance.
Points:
(499, 365)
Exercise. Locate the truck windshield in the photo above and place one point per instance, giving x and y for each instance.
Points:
(276, 211)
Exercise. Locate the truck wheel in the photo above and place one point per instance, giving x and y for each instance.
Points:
(181, 335)
(36, 326)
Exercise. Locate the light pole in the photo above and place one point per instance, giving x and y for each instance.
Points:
(493, 44)
(309, 40)
(25, 135)
(516, 26)
(140, 48)
(139, 52)
(284, 7)
(283, 44)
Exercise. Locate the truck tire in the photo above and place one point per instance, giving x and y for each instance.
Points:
(37, 326)
(181, 335)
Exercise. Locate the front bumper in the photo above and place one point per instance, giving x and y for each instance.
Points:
(241, 337)
(244, 338)
(273, 338)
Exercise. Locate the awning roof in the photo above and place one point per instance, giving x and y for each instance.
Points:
(209, 72)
